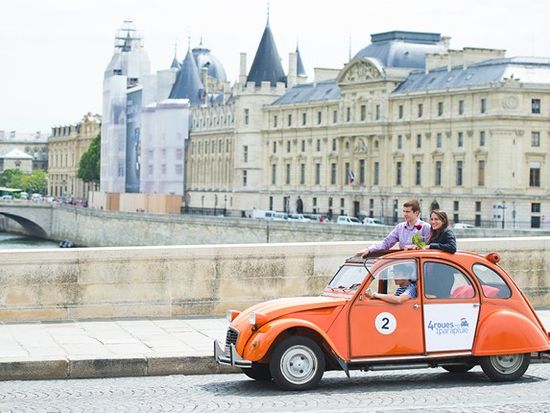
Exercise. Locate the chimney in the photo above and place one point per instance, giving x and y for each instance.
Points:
(242, 70)
(292, 69)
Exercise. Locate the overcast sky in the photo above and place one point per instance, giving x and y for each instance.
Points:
(53, 52)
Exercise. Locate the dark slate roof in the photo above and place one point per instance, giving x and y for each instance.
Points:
(175, 64)
(525, 69)
(204, 58)
(310, 92)
(266, 66)
(188, 83)
(300, 70)
(402, 49)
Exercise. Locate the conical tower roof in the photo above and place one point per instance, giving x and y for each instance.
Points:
(175, 64)
(266, 66)
(188, 83)
(300, 70)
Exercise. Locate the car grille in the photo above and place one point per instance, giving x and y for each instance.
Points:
(231, 338)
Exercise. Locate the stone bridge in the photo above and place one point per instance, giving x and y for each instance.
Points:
(34, 219)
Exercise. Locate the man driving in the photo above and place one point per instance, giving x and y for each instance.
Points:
(405, 279)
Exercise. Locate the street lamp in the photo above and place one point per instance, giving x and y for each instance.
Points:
(503, 207)
(224, 204)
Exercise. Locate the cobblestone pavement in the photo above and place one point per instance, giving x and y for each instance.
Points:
(430, 390)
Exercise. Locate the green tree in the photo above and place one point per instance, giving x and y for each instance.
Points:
(88, 168)
(35, 182)
(11, 177)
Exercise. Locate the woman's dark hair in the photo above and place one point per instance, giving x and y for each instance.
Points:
(442, 215)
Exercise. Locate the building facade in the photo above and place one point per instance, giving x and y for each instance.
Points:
(35, 145)
(66, 145)
(464, 130)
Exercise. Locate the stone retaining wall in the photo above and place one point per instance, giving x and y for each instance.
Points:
(171, 281)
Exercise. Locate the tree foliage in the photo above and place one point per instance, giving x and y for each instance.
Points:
(9, 176)
(88, 168)
(35, 182)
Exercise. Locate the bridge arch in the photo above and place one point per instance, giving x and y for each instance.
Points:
(31, 228)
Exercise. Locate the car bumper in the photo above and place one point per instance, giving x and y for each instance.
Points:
(230, 357)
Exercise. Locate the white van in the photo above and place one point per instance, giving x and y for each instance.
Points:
(371, 221)
(276, 216)
(345, 220)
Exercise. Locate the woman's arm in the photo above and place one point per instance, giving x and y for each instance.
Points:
(447, 242)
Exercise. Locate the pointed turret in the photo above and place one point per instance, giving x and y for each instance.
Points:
(188, 84)
(300, 70)
(175, 64)
(267, 63)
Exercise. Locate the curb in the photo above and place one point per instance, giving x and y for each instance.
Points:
(129, 367)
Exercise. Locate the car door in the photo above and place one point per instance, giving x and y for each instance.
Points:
(451, 307)
(378, 328)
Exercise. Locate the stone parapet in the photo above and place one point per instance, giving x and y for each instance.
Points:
(174, 281)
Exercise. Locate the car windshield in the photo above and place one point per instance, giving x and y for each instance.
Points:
(350, 276)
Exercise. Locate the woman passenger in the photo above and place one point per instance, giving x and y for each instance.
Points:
(442, 237)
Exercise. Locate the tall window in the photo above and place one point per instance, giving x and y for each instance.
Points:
(398, 171)
(317, 174)
(334, 145)
(274, 147)
(483, 105)
(420, 110)
(481, 173)
(376, 174)
(439, 108)
(535, 139)
(245, 153)
(304, 118)
(482, 138)
(288, 143)
(362, 171)
(246, 118)
(245, 177)
(418, 173)
(377, 112)
(303, 145)
(439, 140)
(289, 119)
(287, 174)
(535, 105)
(318, 145)
(273, 174)
(334, 116)
(348, 114)
(302, 174)
(437, 173)
(347, 173)
(459, 168)
(400, 111)
(460, 140)
(319, 117)
(275, 119)
(534, 174)
(419, 140)
(363, 112)
(461, 107)
(399, 141)
(333, 174)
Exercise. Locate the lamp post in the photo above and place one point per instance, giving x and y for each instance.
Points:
(503, 207)
(514, 214)
(224, 204)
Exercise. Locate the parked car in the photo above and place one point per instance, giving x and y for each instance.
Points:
(298, 218)
(276, 216)
(468, 311)
(24, 195)
(317, 218)
(7, 197)
(371, 221)
(345, 220)
(460, 225)
(36, 197)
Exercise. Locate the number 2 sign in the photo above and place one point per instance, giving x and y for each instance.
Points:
(385, 323)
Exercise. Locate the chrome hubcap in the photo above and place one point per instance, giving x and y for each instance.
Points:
(507, 364)
(298, 364)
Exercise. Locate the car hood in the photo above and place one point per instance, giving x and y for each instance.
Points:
(276, 308)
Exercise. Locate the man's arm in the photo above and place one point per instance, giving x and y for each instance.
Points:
(392, 299)
(388, 242)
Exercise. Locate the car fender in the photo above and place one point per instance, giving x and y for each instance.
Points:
(259, 344)
(507, 332)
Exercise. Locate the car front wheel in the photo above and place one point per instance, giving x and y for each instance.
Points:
(297, 363)
(507, 367)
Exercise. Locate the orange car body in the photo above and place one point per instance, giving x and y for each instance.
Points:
(473, 319)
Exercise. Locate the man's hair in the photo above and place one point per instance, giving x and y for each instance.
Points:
(413, 204)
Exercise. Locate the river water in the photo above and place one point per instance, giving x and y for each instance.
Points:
(17, 241)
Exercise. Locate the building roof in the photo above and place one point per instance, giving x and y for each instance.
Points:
(523, 69)
(403, 49)
(175, 64)
(300, 70)
(266, 66)
(16, 154)
(204, 58)
(188, 83)
(310, 92)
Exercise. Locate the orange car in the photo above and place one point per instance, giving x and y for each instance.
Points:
(467, 311)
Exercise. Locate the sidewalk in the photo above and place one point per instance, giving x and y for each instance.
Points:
(116, 348)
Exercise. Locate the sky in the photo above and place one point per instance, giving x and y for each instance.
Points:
(53, 52)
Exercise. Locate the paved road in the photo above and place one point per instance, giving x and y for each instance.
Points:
(430, 390)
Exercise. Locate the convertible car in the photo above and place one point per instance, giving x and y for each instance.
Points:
(468, 311)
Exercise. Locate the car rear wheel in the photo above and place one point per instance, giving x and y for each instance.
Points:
(507, 367)
(459, 368)
(258, 372)
(297, 363)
